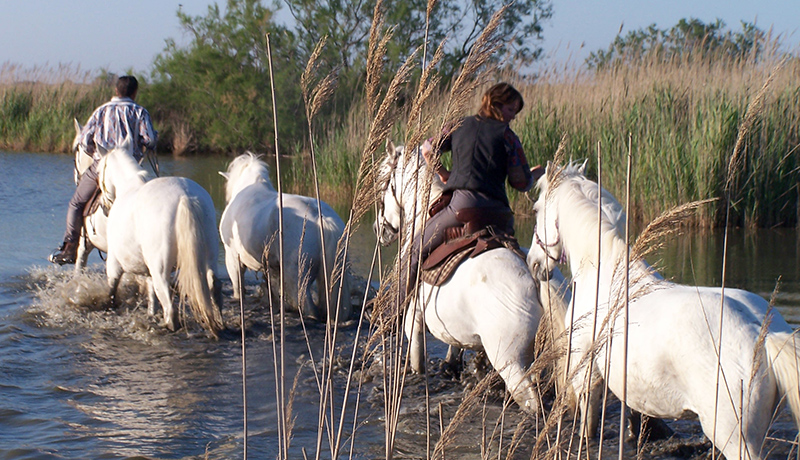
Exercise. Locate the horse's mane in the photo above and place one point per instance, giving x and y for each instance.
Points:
(255, 167)
(582, 196)
(125, 158)
(578, 198)
(402, 158)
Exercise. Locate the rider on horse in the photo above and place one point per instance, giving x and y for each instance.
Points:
(107, 127)
(485, 152)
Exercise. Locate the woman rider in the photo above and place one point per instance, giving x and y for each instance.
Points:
(485, 152)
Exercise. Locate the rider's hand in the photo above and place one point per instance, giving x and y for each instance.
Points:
(427, 151)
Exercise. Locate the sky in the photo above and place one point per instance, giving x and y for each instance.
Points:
(89, 35)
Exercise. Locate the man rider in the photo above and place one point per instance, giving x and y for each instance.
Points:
(107, 127)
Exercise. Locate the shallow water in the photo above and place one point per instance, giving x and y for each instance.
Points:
(81, 381)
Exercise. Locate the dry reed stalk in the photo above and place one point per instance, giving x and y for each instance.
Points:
(753, 110)
(281, 387)
(465, 409)
(244, 355)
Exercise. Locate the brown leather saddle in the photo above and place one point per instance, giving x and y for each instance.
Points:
(482, 229)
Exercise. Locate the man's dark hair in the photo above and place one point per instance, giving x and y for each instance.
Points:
(127, 86)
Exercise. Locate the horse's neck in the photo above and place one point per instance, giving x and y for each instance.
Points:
(417, 204)
(244, 182)
(606, 266)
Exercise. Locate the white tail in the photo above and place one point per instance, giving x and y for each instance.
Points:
(783, 350)
(193, 265)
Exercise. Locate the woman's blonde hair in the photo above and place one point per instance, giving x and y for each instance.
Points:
(496, 96)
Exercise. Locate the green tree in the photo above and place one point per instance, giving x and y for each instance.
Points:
(687, 37)
(347, 23)
(214, 93)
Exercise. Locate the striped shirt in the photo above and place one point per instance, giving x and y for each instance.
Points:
(109, 125)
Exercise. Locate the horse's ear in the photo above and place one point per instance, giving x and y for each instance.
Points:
(582, 168)
(224, 174)
(390, 148)
(78, 127)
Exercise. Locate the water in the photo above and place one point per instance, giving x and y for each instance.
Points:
(79, 381)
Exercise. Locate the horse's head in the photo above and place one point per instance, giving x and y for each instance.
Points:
(246, 169)
(390, 209)
(546, 249)
(82, 158)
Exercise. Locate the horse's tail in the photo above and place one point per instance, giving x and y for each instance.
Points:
(784, 353)
(337, 273)
(193, 265)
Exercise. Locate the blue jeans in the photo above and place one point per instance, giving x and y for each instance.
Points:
(87, 185)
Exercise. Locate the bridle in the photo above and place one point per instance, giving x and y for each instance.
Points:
(546, 247)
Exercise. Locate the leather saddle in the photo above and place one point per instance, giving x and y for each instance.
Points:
(481, 229)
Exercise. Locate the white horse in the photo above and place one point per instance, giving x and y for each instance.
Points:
(93, 233)
(673, 330)
(489, 303)
(249, 229)
(158, 226)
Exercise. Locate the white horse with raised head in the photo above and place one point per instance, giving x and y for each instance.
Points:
(675, 341)
(159, 226)
(491, 301)
(249, 229)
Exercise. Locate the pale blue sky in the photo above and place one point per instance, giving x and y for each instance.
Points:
(117, 36)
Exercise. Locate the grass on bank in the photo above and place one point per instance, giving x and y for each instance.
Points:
(682, 117)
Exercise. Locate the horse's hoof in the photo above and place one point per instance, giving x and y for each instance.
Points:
(170, 326)
(648, 428)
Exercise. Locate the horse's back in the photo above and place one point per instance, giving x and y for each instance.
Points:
(491, 297)
(251, 219)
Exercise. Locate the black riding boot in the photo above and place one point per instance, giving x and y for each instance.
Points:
(65, 254)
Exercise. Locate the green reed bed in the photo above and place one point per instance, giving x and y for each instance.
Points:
(682, 118)
(37, 106)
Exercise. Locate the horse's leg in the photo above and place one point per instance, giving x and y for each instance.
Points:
(161, 287)
(151, 296)
(84, 249)
(415, 334)
(511, 358)
(113, 275)
(589, 401)
(235, 270)
(452, 362)
(216, 290)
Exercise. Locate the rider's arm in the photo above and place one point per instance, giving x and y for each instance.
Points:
(445, 144)
(427, 153)
(87, 134)
(148, 135)
(519, 174)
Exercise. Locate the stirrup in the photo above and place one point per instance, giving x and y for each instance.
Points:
(65, 254)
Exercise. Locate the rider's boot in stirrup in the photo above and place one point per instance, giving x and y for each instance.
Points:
(65, 254)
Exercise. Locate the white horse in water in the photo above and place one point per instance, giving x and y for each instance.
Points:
(673, 330)
(489, 303)
(158, 226)
(249, 229)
